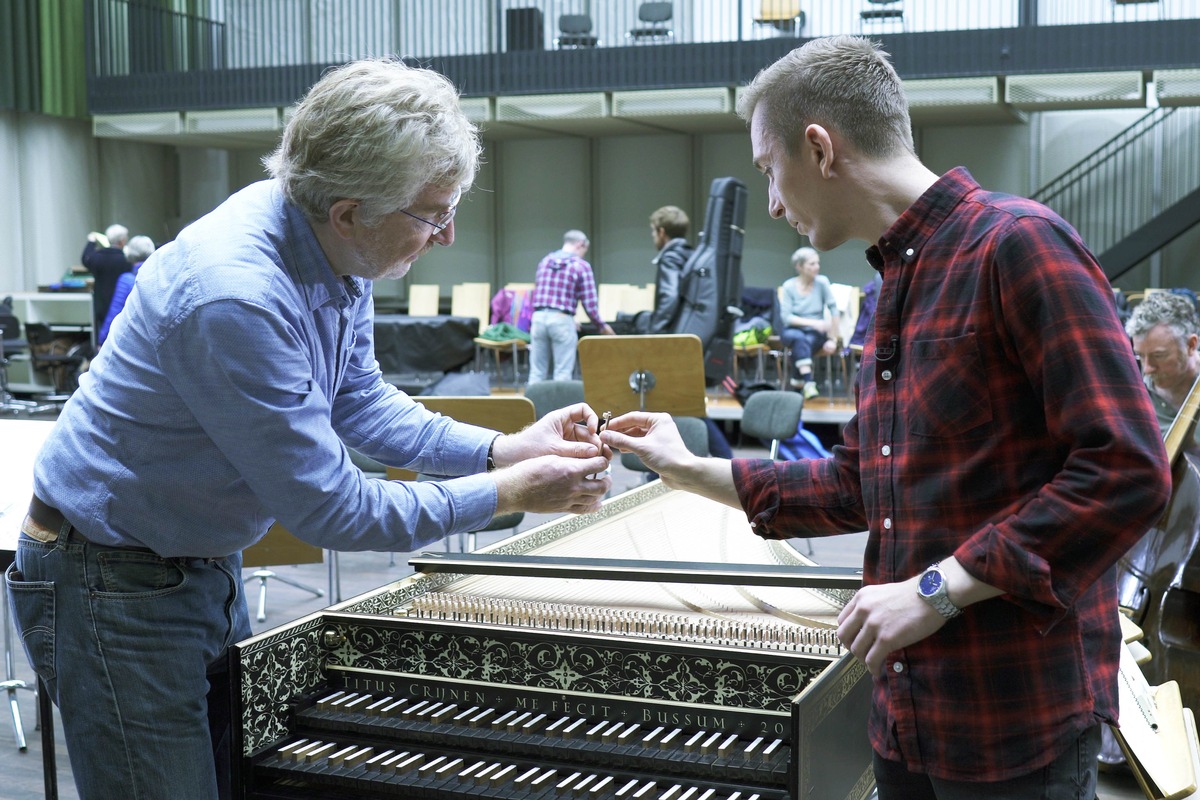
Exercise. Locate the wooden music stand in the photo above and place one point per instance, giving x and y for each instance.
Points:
(503, 413)
(662, 372)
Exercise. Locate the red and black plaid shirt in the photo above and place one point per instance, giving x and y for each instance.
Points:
(1001, 419)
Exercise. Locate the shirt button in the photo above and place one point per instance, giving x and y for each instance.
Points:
(897, 666)
(909, 252)
(887, 523)
(886, 374)
(886, 449)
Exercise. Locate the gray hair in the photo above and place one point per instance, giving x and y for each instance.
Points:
(376, 131)
(804, 254)
(575, 237)
(1164, 308)
(844, 83)
(117, 235)
(139, 249)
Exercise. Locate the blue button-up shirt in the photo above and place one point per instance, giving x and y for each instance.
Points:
(222, 399)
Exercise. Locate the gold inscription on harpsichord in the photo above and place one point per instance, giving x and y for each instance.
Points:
(370, 684)
(683, 718)
(447, 693)
(581, 707)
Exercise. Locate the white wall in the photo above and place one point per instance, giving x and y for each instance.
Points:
(638, 174)
(65, 183)
(137, 185)
(48, 167)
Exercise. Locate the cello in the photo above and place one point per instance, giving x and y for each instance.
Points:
(1158, 580)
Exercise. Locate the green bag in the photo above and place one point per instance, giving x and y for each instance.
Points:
(504, 332)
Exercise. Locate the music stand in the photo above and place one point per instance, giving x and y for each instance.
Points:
(662, 372)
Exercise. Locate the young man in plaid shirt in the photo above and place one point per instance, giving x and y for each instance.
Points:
(1003, 456)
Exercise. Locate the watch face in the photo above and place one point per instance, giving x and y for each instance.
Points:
(931, 581)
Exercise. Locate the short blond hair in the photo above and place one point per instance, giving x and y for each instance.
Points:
(844, 83)
(673, 220)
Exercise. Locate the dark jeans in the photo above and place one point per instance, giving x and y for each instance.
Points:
(1071, 776)
(803, 342)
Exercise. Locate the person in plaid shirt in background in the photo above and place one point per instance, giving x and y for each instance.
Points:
(563, 281)
(1003, 456)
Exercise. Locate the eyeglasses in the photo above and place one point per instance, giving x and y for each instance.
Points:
(443, 219)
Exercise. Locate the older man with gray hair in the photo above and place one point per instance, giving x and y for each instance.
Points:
(104, 257)
(242, 362)
(1165, 332)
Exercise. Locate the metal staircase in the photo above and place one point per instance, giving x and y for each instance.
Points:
(1135, 193)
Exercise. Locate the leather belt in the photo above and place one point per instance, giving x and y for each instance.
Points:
(43, 521)
(551, 308)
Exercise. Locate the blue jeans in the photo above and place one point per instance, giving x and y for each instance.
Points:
(803, 342)
(127, 644)
(552, 333)
(1071, 776)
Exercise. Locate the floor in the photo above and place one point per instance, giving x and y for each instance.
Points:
(359, 572)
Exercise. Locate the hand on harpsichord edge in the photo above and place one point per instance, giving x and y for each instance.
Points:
(558, 464)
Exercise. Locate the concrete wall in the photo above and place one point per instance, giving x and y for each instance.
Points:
(62, 183)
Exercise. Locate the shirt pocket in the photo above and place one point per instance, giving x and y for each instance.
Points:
(949, 394)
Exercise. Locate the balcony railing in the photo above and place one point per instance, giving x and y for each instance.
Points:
(144, 55)
(1128, 182)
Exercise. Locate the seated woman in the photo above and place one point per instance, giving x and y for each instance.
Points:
(802, 306)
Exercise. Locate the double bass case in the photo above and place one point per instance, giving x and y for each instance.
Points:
(1158, 580)
(710, 284)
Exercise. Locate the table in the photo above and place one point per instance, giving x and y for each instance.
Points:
(407, 345)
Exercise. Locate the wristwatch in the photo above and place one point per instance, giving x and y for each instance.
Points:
(933, 590)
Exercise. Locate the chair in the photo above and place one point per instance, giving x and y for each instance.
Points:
(279, 546)
(654, 18)
(472, 300)
(757, 353)
(475, 300)
(423, 299)
(506, 414)
(772, 415)
(785, 16)
(836, 365)
(60, 354)
(883, 11)
(575, 31)
(611, 299)
(498, 347)
(550, 395)
(10, 342)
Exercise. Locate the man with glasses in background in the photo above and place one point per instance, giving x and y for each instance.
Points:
(1165, 334)
(243, 360)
